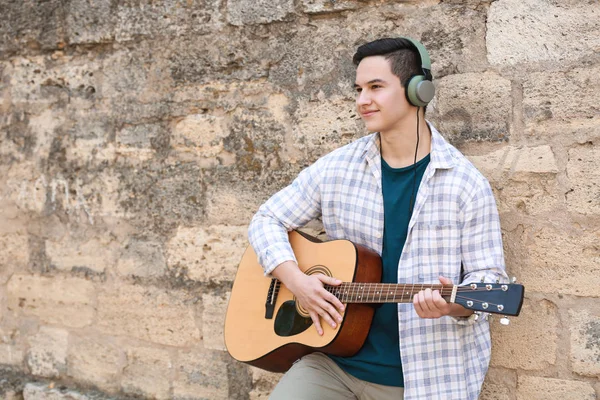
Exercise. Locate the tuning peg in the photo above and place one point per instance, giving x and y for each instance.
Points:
(514, 279)
(504, 320)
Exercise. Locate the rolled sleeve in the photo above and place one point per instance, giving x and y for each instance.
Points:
(481, 245)
(288, 209)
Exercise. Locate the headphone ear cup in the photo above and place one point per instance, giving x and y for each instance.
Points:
(419, 91)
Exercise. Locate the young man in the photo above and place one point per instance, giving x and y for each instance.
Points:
(417, 201)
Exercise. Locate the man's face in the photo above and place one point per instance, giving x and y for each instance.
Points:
(380, 98)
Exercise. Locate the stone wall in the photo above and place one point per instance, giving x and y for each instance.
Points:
(138, 137)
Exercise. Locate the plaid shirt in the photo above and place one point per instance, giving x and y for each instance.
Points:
(455, 223)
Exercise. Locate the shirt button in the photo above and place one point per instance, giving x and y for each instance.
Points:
(378, 235)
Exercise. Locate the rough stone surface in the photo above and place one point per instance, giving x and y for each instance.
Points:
(47, 355)
(41, 392)
(243, 12)
(146, 371)
(585, 343)
(201, 375)
(462, 105)
(563, 262)
(560, 98)
(584, 194)
(214, 310)
(537, 388)
(155, 315)
(11, 355)
(142, 258)
(534, 31)
(96, 254)
(68, 301)
(95, 361)
(208, 254)
(139, 137)
(531, 343)
(13, 254)
(263, 383)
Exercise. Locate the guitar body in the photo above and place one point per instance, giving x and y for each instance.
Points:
(274, 343)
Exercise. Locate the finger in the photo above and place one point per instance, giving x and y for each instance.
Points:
(327, 318)
(331, 298)
(329, 280)
(417, 306)
(315, 319)
(425, 300)
(442, 305)
(444, 280)
(329, 312)
(334, 302)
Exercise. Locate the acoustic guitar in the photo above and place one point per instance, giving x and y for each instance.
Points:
(265, 326)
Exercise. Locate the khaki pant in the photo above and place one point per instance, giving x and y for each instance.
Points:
(317, 377)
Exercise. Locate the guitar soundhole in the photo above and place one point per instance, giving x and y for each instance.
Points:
(315, 269)
(288, 322)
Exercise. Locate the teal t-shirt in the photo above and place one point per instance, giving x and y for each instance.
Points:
(378, 361)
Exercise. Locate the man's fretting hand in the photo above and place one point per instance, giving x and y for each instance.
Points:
(430, 304)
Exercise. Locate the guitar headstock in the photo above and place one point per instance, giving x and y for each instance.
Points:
(495, 298)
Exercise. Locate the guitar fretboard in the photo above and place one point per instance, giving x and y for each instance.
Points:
(353, 292)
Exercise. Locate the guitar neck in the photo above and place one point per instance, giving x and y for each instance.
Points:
(355, 292)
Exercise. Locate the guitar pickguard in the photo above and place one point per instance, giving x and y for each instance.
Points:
(288, 322)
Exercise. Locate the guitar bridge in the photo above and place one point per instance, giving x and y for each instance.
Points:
(272, 298)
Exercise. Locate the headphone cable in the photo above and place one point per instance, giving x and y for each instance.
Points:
(412, 196)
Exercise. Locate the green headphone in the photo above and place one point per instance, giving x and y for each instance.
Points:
(419, 88)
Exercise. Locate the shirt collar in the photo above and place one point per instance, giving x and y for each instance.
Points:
(441, 152)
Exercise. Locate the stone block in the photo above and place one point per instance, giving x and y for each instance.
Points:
(538, 388)
(560, 98)
(241, 204)
(37, 80)
(201, 375)
(530, 343)
(95, 361)
(213, 321)
(142, 258)
(169, 19)
(463, 103)
(31, 24)
(585, 343)
(89, 21)
(208, 254)
(246, 12)
(95, 254)
(531, 196)
(158, 197)
(14, 254)
(148, 373)
(47, 355)
(517, 161)
(147, 313)
(584, 178)
(11, 355)
(562, 262)
(536, 31)
(34, 391)
(322, 126)
(491, 391)
(200, 134)
(57, 300)
(328, 6)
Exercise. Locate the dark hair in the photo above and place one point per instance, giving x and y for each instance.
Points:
(403, 56)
